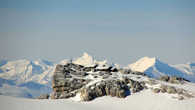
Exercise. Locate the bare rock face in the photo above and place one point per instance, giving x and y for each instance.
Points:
(156, 90)
(112, 88)
(173, 90)
(135, 86)
(91, 82)
(70, 79)
(63, 84)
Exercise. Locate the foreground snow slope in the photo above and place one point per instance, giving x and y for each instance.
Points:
(145, 100)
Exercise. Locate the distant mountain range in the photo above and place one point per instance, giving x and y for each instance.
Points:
(25, 78)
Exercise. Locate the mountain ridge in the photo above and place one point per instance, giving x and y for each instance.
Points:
(26, 73)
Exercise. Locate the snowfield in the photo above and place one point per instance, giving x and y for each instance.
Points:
(145, 100)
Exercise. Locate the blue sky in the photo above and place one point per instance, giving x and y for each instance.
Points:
(119, 30)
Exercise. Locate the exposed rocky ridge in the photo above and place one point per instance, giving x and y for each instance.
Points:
(72, 78)
(91, 82)
(172, 90)
(173, 79)
(114, 88)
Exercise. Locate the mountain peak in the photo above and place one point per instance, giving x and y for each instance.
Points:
(85, 60)
(142, 64)
(86, 55)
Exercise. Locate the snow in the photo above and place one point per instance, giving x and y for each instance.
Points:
(143, 64)
(25, 70)
(77, 98)
(88, 61)
(155, 68)
(145, 100)
(64, 62)
(85, 60)
(187, 68)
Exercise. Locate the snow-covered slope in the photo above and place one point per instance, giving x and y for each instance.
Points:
(188, 68)
(25, 70)
(143, 64)
(153, 67)
(145, 100)
(85, 60)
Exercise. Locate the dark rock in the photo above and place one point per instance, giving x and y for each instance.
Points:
(164, 78)
(180, 98)
(156, 90)
(125, 71)
(112, 88)
(43, 96)
(186, 94)
(171, 90)
(173, 79)
(65, 95)
(135, 86)
(168, 89)
(70, 78)
(137, 73)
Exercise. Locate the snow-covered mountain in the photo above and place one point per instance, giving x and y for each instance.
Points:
(153, 67)
(88, 61)
(188, 68)
(34, 77)
(22, 71)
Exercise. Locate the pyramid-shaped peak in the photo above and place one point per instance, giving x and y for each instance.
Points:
(85, 60)
(143, 64)
(86, 55)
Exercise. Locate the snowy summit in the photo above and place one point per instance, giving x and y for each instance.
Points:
(85, 60)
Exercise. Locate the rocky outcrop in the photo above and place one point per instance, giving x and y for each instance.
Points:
(128, 71)
(91, 82)
(114, 88)
(63, 84)
(111, 87)
(173, 90)
(70, 79)
(173, 79)
(43, 96)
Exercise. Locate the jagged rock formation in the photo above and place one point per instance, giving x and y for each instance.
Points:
(70, 79)
(90, 82)
(173, 79)
(114, 88)
(63, 84)
(172, 90)
(43, 96)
